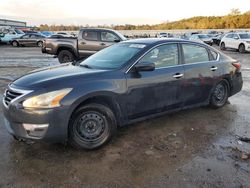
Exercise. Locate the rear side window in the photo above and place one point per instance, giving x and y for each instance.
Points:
(162, 56)
(214, 55)
(90, 35)
(194, 54)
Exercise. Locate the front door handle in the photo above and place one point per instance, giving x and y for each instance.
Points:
(178, 75)
(213, 68)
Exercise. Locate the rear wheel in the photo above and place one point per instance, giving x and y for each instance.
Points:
(40, 44)
(242, 48)
(91, 126)
(65, 56)
(219, 95)
(223, 46)
(15, 44)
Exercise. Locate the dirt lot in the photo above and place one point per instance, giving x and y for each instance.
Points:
(193, 148)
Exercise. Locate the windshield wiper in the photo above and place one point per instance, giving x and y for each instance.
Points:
(86, 66)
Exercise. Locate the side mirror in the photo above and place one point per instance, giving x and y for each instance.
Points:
(144, 66)
(117, 40)
(236, 38)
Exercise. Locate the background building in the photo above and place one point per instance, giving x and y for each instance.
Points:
(12, 23)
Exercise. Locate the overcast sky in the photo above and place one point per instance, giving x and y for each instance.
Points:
(93, 12)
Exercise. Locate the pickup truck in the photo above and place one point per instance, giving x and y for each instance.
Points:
(88, 42)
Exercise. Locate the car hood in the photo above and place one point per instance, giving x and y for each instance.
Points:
(46, 77)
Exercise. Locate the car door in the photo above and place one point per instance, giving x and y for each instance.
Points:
(33, 39)
(201, 72)
(108, 38)
(89, 43)
(158, 90)
(235, 41)
(24, 40)
(228, 40)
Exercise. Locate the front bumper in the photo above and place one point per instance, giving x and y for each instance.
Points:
(41, 124)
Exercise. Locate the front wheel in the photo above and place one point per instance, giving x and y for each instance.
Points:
(219, 95)
(65, 56)
(91, 126)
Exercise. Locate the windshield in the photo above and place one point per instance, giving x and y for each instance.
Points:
(203, 36)
(113, 57)
(245, 36)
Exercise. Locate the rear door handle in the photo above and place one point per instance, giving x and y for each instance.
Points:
(178, 75)
(83, 42)
(213, 68)
(102, 44)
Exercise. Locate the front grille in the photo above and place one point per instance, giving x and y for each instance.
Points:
(10, 95)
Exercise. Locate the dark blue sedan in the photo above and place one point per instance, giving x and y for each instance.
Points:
(133, 80)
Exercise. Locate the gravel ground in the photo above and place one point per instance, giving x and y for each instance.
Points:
(201, 147)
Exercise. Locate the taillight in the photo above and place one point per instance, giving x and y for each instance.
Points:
(237, 65)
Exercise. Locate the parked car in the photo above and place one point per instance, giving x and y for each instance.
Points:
(165, 35)
(47, 33)
(239, 41)
(58, 36)
(89, 41)
(64, 34)
(217, 39)
(124, 83)
(9, 34)
(28, 40)
(202, 38)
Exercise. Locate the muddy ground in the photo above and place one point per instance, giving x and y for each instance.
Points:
(201, 147)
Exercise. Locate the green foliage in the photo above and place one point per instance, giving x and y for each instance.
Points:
(234, 20)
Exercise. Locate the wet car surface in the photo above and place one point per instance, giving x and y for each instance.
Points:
(201, 147)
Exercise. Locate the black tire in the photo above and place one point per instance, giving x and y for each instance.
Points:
(242, 48)
(91, 126)
(219, 95)
(40, 44)
(15, 43)
(65, 56)
(222, 46)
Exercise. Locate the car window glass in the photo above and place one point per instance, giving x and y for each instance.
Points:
(162, 56)
(26, 36)
(230, 36)
(33, 36)
(214, 54)
(194, 54)
(109, 37)
(90, 35)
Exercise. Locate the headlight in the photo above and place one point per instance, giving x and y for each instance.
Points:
(46, 100)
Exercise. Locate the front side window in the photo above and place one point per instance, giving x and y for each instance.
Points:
(194, 53)
(109, 37)
(162, 56)
(90, 35)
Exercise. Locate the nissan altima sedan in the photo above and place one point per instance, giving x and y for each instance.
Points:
(83, 104)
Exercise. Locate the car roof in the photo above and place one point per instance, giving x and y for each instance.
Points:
(155, 40)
